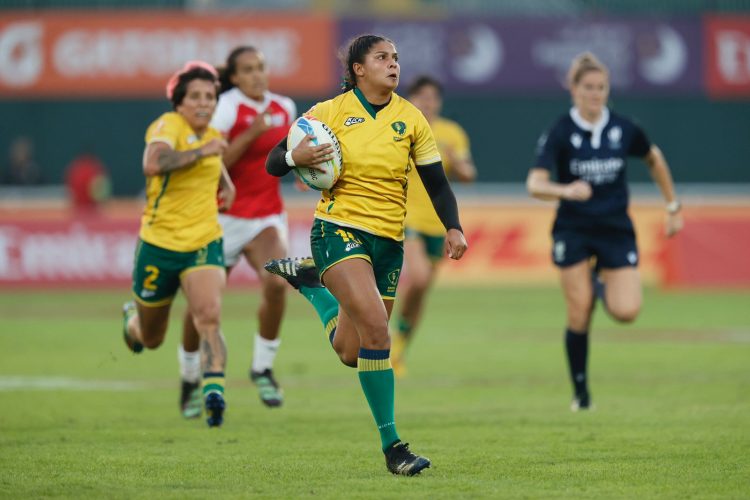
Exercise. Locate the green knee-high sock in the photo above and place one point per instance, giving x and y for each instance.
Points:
(325, 305)
(376, 378)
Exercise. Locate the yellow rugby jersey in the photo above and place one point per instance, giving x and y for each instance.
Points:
(420, 214)
(376, 151)
(181, 211)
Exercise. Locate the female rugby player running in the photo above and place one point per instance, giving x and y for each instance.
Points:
(358, 231)
(180, 242)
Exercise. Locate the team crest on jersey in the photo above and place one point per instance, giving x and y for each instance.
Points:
(353, 120)
(576, 140)
(615, 136)
(399, 128)
(192, 139)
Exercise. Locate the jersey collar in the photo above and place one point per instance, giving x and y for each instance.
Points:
(365, 104)
(259, 107)
(596, 129)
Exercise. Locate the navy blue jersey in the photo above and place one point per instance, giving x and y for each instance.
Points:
(574, 149)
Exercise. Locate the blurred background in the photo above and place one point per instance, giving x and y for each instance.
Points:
(81, 80)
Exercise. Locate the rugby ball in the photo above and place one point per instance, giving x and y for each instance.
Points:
(316, 179)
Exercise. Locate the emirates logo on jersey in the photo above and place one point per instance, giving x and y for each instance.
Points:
(353, 120)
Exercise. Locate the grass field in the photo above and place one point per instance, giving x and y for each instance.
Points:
(486, 399)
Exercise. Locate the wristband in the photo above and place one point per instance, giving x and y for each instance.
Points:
(289, 160)
(673, 207)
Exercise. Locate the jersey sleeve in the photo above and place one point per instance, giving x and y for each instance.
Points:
(639, 145)
(424, 150)
(165, 129)
(224, 115)
(547, 149)
(321, 111)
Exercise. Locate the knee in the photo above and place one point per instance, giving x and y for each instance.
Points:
(420, 281)
(376, 336)
(579, 315)
(348, 360)
(274, 287)
(207, 315)
(152, 342)
(626, 313)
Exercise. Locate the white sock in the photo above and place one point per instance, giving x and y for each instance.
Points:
(264, 353)
(190, 364)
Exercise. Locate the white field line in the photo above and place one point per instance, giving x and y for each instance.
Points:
(23, 383)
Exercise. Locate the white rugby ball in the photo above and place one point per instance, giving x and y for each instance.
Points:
(316, 179)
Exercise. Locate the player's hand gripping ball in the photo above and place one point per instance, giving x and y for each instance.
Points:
(313, 177)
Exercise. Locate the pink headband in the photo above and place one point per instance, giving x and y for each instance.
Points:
(172, 83)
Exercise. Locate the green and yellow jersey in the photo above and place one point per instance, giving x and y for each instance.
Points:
(420, 215)
(378, 150)
(181, 211)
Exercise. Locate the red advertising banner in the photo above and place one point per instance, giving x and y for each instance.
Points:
(134, 53)
(727, 42)
(508, 245)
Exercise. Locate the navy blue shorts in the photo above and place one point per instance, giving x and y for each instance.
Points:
(612, 247)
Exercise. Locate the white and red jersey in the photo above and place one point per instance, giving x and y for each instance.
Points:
(258, 193)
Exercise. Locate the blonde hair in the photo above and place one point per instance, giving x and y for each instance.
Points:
(582, 64)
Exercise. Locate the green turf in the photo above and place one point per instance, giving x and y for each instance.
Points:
(486, 399)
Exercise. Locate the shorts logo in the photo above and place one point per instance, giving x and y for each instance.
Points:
(351, 246)
(201, 257)
(632, 257)
(145, 294)
(353, 120)
(559, 251)
(393, 276)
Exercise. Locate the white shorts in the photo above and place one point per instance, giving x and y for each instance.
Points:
(238, 232)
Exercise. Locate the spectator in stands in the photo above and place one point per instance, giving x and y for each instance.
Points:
(594, 241)
(87, 181)
(22, 170)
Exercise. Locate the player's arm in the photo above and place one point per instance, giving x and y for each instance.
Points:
(239, 144)
(159, 157)
(540, 186)
(280, 161)
(464, 170)
(227, 191)
(437, 186)
(462, 166)
(662, 176)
